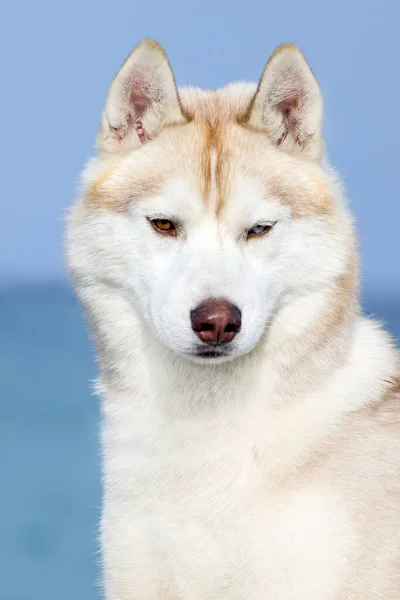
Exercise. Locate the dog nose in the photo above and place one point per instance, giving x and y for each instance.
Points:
(216, 321)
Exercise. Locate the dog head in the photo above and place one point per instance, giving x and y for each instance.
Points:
(210, 210)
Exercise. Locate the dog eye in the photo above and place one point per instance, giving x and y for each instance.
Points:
(163, 226)
(259, 229)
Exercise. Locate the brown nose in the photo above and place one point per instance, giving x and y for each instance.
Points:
(216, 321)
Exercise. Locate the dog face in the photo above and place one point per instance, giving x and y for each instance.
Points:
(210, 210)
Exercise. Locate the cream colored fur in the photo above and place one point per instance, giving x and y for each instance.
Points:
(273, 472)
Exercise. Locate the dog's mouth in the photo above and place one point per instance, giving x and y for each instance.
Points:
(210, 354)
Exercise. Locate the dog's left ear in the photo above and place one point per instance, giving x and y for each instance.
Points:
(288, 105)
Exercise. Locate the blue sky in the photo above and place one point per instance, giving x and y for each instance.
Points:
(58, 59)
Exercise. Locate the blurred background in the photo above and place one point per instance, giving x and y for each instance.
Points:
(57, 60)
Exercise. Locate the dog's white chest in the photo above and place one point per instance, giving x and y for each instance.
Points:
(212, 527)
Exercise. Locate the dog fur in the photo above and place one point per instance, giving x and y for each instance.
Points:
(270, 471)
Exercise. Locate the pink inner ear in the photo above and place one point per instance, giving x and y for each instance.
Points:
(289, 91)
(140, 131)
(290, 106)
(140, 104)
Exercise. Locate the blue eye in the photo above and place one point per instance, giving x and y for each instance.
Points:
(259, 229)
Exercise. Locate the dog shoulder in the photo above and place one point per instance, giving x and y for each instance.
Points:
(365, 470)
(366, 460)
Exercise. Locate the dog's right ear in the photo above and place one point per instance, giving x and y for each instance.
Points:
(142, 99)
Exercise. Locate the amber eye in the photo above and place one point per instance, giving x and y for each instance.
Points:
(163, 226)
(259, 230)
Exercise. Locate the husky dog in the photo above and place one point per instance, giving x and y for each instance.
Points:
(251, 414)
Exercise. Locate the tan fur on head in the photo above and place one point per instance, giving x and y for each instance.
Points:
(250, 129)
(238, 151)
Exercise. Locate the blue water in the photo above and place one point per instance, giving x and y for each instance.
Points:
(49, 469)
(50, 494)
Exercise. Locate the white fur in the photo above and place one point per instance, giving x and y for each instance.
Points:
(234, 478)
